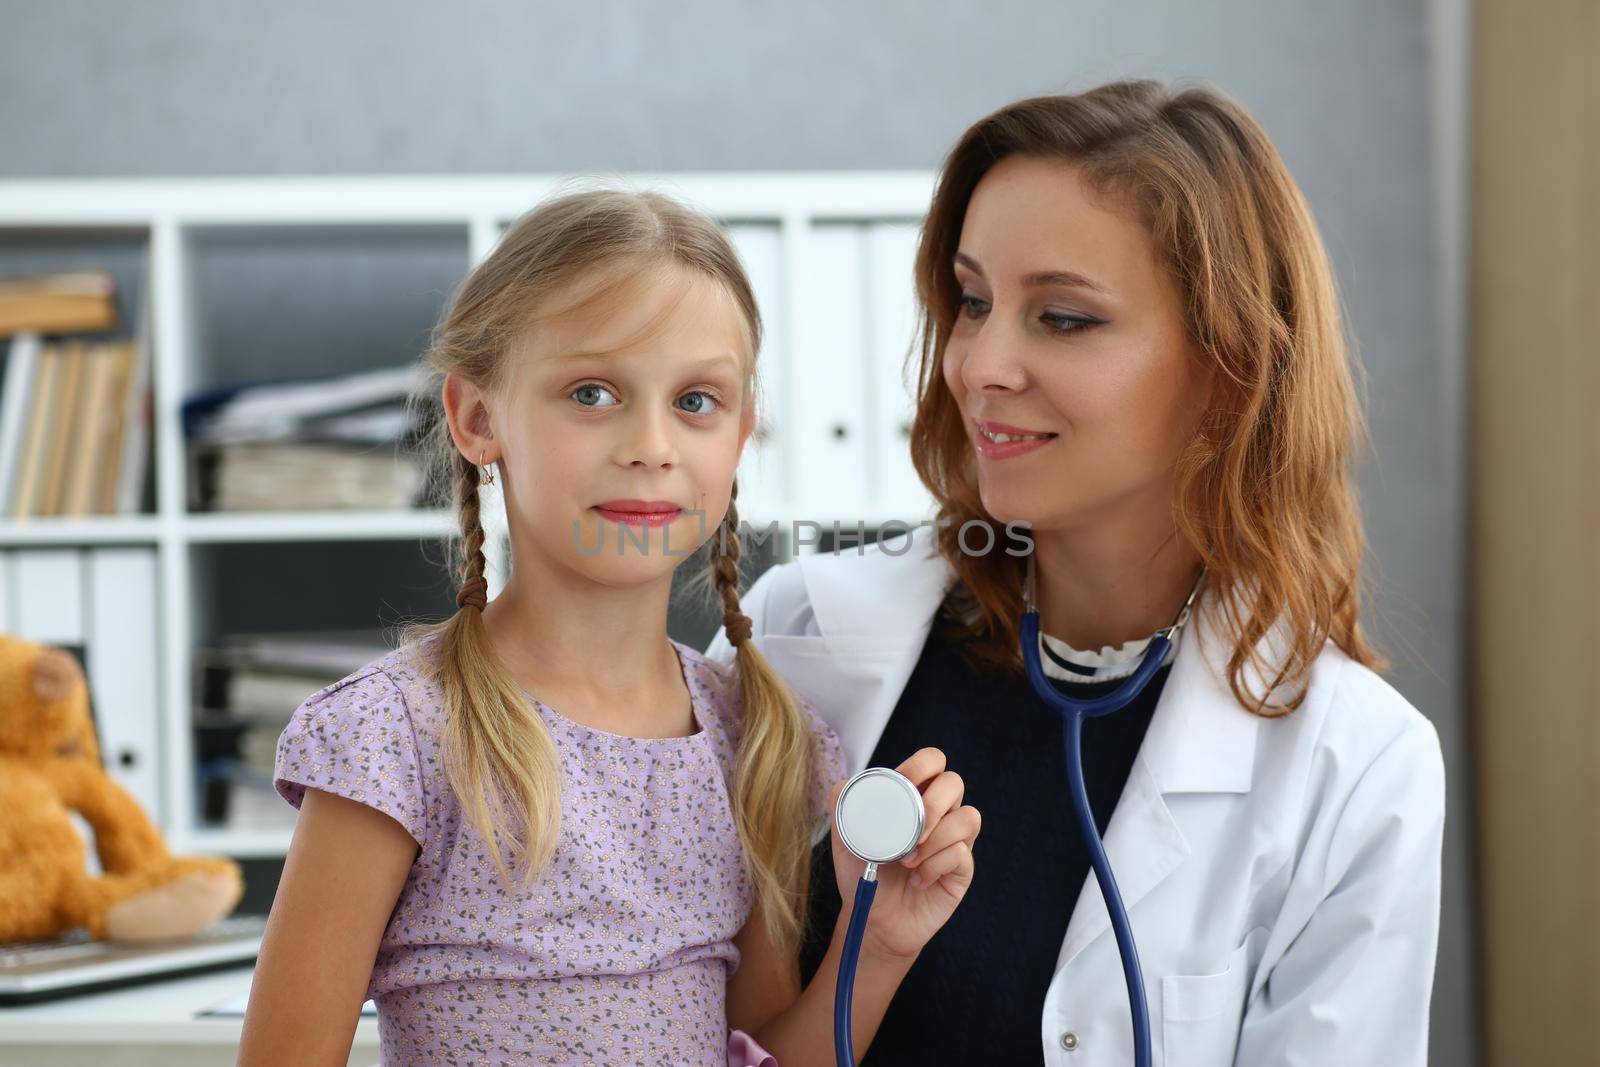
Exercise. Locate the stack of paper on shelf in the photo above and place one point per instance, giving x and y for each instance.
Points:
(248, 686)
(313, 443)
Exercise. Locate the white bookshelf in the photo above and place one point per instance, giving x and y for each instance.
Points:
(829, 254)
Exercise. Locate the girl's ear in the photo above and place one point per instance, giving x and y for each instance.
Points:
(747, 423)
(466, 409)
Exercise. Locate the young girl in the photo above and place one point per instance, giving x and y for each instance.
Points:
(541, 830)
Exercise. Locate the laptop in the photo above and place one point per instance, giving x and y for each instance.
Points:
(34, 971)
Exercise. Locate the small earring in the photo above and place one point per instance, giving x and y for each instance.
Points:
(488, 475)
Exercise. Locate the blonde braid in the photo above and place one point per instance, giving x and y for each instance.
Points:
(725, 551)
(776, 761)
(474, 591)
(490, 725)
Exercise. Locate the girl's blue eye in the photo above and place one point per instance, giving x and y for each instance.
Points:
(588, 395)
(702, 408)
(968, 303)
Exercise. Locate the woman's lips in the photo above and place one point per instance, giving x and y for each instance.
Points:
(992, 449)
(639, 512)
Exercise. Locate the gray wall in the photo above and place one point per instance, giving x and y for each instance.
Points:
(1365, 100)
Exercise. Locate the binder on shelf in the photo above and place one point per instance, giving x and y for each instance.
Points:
(123, 657)
(762, 469)
(101, 604)
(829, 415)
(891, 307)
(47, 595)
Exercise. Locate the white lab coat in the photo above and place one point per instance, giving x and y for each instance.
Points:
(1282, 876)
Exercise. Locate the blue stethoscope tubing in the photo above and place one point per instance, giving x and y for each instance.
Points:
(1073, 712)
(844, 990)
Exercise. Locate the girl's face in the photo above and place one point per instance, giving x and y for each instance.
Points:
(635, 401)
(1070, 333)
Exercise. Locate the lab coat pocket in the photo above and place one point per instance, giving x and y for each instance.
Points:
(1201, 1013)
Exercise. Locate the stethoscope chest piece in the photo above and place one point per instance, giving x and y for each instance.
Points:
(880, 815)
(880, 818)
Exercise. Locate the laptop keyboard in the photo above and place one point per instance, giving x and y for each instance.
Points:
(79, 947)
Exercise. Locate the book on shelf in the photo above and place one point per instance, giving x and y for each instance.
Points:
(26, 387)
(74, 301)
(74, 412)
(308, 444)
(74, 427)
(68, 406)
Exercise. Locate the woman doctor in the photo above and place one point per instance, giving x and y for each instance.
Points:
(1132, 364)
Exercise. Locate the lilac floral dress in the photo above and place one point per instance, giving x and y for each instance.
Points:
(621, 951)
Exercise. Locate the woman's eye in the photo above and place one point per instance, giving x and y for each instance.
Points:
(705, 404)
(1058, 322)
(589, 395)
(971, 304)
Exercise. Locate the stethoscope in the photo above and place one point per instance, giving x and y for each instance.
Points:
(880, 816)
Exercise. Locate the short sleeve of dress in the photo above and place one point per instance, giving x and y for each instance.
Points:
(354, 738)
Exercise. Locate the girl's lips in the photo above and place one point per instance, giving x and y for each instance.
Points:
(637, 518)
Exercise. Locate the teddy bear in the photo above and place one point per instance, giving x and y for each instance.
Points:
(50, 764)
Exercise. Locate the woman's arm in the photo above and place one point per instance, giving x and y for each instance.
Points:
(1353, 986)
(345, 868)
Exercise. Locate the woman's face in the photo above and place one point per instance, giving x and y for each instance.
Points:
(1070, 333)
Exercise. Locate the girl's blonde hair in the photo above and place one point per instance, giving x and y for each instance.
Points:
(1265, 489)
(499, 757)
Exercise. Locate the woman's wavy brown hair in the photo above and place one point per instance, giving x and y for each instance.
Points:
(499, 758)
(1265, 490)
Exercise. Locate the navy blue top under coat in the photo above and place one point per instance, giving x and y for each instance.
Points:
(976, 993)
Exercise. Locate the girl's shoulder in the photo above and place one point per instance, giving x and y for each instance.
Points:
(399, 683)
(368, 737)
(714, 690)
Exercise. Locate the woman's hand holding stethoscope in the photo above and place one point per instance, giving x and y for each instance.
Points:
(917, 894)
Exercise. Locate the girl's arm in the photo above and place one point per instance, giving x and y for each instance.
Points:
(764, 998)
(345, 868)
